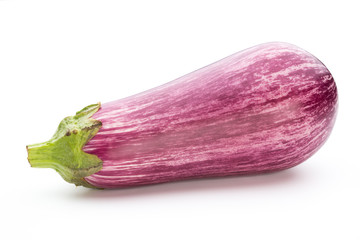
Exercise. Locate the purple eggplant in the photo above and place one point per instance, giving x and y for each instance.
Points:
(264, 109)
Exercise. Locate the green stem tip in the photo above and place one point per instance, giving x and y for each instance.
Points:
(63, 152)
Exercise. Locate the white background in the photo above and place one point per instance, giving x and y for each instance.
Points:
(59, 56)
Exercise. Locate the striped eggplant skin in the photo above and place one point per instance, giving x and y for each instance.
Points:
(264, 109)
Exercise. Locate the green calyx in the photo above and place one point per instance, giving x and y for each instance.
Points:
(63, 152)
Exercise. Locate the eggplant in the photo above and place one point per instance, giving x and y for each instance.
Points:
(264, 109)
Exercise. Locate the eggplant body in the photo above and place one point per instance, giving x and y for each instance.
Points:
(264, 109)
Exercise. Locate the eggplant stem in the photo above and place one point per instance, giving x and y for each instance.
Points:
(63, 152)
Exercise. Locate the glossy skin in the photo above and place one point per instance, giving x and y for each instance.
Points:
(264, 109)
